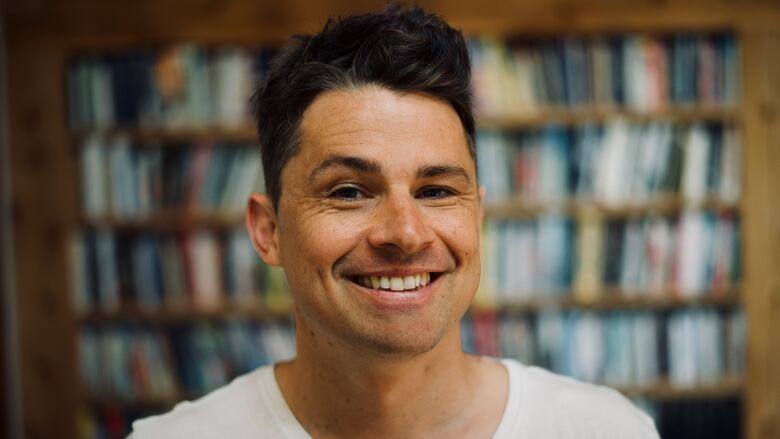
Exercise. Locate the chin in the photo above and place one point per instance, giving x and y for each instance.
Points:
(400, 343)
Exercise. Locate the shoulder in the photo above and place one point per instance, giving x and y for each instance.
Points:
(576, 409)
(235, 410)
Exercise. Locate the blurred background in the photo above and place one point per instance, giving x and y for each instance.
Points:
(632, 236)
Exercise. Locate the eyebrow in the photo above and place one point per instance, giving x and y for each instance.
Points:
(373, 167)
(356, 163)
(443, 171)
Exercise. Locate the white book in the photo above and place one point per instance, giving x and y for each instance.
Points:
(588, 348)
(205, 270)
(696, 158)
(731, 166)
(610, 184)
(94, 178)
(493, 166)
(691, 254)
(232, 86)
(635, 74)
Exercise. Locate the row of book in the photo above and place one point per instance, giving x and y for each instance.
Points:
(180, 85)
(635, 71)
(626, 349)
(185, 85)
(694, 254)
(614, 163)
(202, 270)
(124, 181)
(136, 363)
(690, 255)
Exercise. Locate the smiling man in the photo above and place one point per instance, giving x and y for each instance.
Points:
(373, 210)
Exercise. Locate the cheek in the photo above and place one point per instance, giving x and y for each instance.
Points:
(317, 242)
(460, 233)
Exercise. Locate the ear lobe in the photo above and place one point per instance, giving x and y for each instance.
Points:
(263, 228)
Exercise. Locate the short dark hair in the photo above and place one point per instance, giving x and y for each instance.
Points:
(403, 49)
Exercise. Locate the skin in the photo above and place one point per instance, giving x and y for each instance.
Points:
(382, 184)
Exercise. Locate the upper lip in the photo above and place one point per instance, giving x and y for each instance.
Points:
(396, 272)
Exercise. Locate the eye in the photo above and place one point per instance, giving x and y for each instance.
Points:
(434, 192)
(347, 193)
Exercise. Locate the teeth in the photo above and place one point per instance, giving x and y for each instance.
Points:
(395, 283)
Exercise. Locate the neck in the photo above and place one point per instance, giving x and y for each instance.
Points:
(344, 391)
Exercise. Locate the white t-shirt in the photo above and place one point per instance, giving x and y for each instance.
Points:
(541, 404)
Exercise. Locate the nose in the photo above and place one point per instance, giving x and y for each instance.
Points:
(400, 225)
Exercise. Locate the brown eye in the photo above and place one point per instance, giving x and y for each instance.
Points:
(434, 192)
(348, 193)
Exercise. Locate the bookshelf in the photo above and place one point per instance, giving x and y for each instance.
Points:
(45, 154)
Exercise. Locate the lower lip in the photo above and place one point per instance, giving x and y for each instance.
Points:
(399, 301)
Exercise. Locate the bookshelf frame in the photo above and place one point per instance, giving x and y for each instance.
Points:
(42, 36)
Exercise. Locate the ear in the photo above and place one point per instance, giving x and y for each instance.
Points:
(263, 228)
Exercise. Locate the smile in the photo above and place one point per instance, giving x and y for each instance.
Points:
(396, 283)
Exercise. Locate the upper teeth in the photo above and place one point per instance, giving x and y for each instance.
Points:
(395, 283)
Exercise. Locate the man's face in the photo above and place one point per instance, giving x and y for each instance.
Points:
(378, 221)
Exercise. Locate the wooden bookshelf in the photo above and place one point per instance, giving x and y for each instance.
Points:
(44, 35)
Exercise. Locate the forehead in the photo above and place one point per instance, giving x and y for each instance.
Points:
(373, 121)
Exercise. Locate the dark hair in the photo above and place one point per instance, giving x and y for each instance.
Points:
(403, 49)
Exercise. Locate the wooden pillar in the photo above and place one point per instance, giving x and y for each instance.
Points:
(43, 202)
(761, 226)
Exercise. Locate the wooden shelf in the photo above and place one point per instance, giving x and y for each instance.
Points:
(615, 301)
(246, 132)
(170, 220)
(241, 133)
(589, 114)
(135, 314)
(519, 208)
(663, 390)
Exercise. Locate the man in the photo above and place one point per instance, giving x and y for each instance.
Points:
(373, 209)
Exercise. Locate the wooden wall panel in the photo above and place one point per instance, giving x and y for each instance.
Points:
(43, 205)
